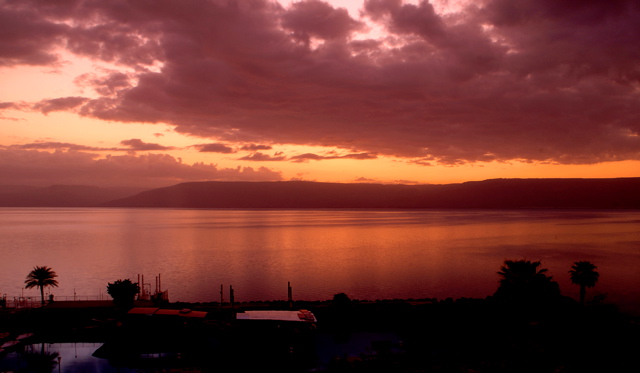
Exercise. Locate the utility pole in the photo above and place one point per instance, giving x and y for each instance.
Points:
(290, 295)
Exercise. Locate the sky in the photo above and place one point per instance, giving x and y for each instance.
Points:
(152, 93)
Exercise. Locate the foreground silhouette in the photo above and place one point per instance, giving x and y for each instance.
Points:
(41, 277)
(417, 335)
(123, 293)
(524, 282)
(40, 362)
(584, 274)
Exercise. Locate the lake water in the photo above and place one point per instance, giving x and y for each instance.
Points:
(368, 254)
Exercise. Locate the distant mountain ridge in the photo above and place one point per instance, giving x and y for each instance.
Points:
(620, 193)
(61, 195)
(615, 193)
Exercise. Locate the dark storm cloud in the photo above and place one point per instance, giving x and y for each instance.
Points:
(314, 18)
(533, 80)
(28, 38)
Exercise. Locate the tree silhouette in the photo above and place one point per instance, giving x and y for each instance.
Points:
(41, 362)
(341, 300)
(584, 273)
(41, 277)
(524, 281)
(123, 293)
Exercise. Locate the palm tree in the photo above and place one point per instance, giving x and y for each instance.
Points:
(41, 277)
(520, 271)
(584, 273)
(523, 280)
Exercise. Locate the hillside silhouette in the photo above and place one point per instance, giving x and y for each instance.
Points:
(60, 195)
(621, 193)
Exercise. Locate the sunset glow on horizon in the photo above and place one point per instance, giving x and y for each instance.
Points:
(155, 93)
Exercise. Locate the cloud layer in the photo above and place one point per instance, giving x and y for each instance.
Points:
(533, 80)
(32, 167)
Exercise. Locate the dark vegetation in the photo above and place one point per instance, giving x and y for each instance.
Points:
(620, 193)
(526, 326)
(123, 293)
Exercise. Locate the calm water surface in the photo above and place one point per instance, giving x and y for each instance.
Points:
(74, 358)
(368, 254)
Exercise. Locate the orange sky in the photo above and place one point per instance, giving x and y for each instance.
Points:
(384, 91)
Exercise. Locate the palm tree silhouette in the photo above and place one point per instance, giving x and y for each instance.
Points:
(523, 280)
(584, 273)
(41, 277)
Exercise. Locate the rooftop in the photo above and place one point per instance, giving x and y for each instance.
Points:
(298, 316)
